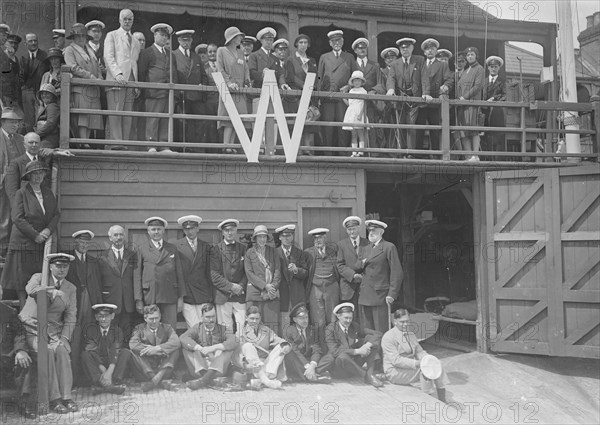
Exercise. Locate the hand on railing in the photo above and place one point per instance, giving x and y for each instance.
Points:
(120, 79)
(284, 86)
(390, 92)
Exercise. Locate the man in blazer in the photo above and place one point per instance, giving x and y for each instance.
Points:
(207, 348)
(294, 270)
(303, 362)
(262, 59)
(322, 285)
(116, 265)
(84, 274)
(104, 360)
(32, 67)
(436, 79)
(350, 346)
(229, 276)
(382, 278)
(155, 349)
(333, 73)
(61, 315)
(195, 264)
(190, 70)
(155, 67)
(495, 92)
(94, 30)
(404, 79)
(158, 278)
(349, 251)
(121, 52)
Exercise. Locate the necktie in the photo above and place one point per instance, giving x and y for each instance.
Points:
(429, 63)
(119, 259)
(194, 246)
(129, 38)
(356, 247)
(11, 137)
(287, 254)
(159, 245)
(337, 55)
(104, 333)
(83, 258)
(346, 335)
(209, 338)
(32, 56)
(187, 53)
(322, 252)
(35, 158)
(303, 335)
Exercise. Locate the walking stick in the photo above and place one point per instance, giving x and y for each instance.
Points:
(389, 308)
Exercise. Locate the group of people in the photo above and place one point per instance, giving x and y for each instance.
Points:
(122, 57)
(263, 315)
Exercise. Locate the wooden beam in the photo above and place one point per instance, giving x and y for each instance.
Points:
(581, 272)
(521, 236)
(523, 321)
(517, 267)
(580, 236)
(582, 330)
(579, 210)
(518, 205)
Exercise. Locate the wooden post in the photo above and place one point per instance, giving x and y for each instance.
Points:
(65, 103)
(596, 105)
(445, 128)
(407, 208)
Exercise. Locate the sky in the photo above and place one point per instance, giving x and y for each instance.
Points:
(540, 11)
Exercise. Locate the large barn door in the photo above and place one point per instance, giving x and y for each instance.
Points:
(543, 255)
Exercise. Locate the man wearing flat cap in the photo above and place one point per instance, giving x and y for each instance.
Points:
(495, 91)
(105, 361)
(322, 285)
(382, 278)
(61, 316)
(436, 79)
(158, 278)
(302, 362)
(333, 73)
(85, 275)
(121, 53)
(154, 66)
(207, 348)
(195, 264)
(229, 276)
(404, 79)
(190, 70)
(349, 252)
(350, 346)
(294, 270)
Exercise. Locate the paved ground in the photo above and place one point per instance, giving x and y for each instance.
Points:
(503, 389)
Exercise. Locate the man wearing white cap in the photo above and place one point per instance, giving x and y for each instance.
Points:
(59, 37)
(294, 270)
(121, 53)
(190, 70)
(495, 91)
(349, 251)
(61, 316)
(195, 264)
(229, 276)
(155, 67)
(385, 135)
(404, 359)
(263, 58)
(404, 79)
(158, 278)
(350, 346)
(85, 275)
(322, 285)
(333, 73)
(382, 278)
(436, 79)
(94, 30)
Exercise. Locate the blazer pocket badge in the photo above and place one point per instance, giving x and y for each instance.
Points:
(240, 61)
(172, 256)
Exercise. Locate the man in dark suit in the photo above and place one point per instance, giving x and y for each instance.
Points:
(404, 79)
(10, 73)
(207, 348)
(436, 80)
(350, 346)
(382, 278)
(104, 360)
(155, 350)
(303, 362)
(229, 276)
(32, 68)
(208, 129)
(61, 315)
(495, 92)
(84, 274)
(349, 250)
(158, 278)
(322, 285)
(116, 265)
(333, 73)
(195, 264)
(294, 270)
(190, 70)
(154, 66)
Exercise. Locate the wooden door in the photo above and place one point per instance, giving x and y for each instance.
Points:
(543, 258)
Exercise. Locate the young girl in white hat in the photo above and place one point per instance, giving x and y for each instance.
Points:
(356, 112)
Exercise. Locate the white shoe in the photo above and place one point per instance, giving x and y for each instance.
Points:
(473, 159)
(166, 150)
(152, 150)
(354, 155)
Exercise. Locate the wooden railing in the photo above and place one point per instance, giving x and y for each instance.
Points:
(534, 143)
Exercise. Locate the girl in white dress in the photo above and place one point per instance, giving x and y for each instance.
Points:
(356, 112)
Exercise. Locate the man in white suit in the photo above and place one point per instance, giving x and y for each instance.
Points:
(121, 52)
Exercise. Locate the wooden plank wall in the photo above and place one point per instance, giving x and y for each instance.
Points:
(96, 193)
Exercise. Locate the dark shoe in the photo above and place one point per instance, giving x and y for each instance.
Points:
(57, 407)
(148, 386)
(169, 385)
(196, 384)
(115, 389)
(372, 380)
(98, 390)
(71, 405)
